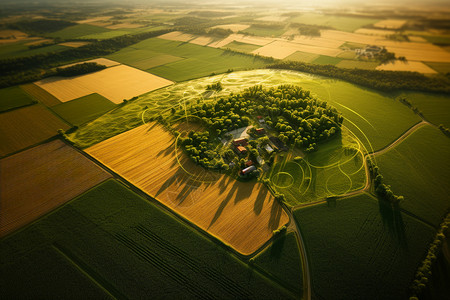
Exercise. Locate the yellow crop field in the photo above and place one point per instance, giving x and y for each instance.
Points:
(413, 66)
(101, 61)
(74, 44)
(124, 25)
(40, 94)
(202, 40)
(96, 19)
(24, 127)
(242, 215)
(248, 39)
(370, 31)
(233, 27)
(272, 18)
(10, 36)
(114, 83)
(177, 36)
(282, 49)
(390, 24)
(26, 194)
(418, 51)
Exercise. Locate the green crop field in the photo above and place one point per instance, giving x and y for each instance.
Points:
(338, 22)
(435, 107)
(360, 107)
(352, 64)
(263, 31)
(104, 244)
(13, 97)
(331, 171)
(104, 35)
(418, 168)
(20, 49)
(282, 260)
(200, 61)
(326, 60)
(361, 238)
(302, 56)
(77, 31)
(142, 59)
(238, 46)
(84, 109)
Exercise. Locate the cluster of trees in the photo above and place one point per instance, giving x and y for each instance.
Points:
(424, 271)
(306, 29)
(200, 148)
(445, 130)
(79, 69)
(377, 79)
(214, 87)
(409, 104)
(40, 26)
(30, 68)
(382, 190)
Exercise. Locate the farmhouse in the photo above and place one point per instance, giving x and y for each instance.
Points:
(240, 142)
(241, 150)
(268, 148)
(248, 163)
(260, 131)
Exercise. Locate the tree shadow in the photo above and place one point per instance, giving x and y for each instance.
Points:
(259, 202)
(277, 246)
(393, 220)
(275, 215)
(223, 204)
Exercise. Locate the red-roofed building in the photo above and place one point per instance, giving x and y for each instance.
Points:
(240, 142)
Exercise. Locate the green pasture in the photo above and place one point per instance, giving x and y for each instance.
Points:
(338, 22)
(84, 109)
(302, 56)
(418, 169)
(262, 31)
(244, 47)
(104, 35)
(434, 107)
(282, 260)
(361, 248)
(335, 169)
(20, 49)
(355, 64)
(326, 60)
(111, 243)
(374, 118)
(77, 31)
(13, 97)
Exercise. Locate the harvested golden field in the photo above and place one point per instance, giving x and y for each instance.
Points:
(74, 44)
(413, 66)
(27, 126)
(282, 49)
(418, 51)
(124, 25)
(202, 40)
(233, 27)
(96, 19)
(242, 215)
(177, 36)
(114, 83)
(390, 24)
(272, 18)
(248, 39)
(38, 180)
(40, 94)
(101, 61)
(38, 42)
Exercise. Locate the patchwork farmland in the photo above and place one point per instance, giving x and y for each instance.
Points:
(243, 215)
(130, 180)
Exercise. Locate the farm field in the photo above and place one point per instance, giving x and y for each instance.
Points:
(326, 60)
(302, 56)
(332, 171)
(238, 46)
(27, 126)
(84, 109)
(352, 64)
(349, 24)
(283, 49)
(362, 117)
(443, 68)
(114, 83)
(390, 24)
(77, 31)
(142, 59)
(26, 195)
(261, 31)
(104, 245)
(418, 169)
(243, 215)
(361, 237)
(21, 49)
(233, 27)
(14, 97)
(434, 107)
(40, 94)
(412, 66)
(282, 260)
